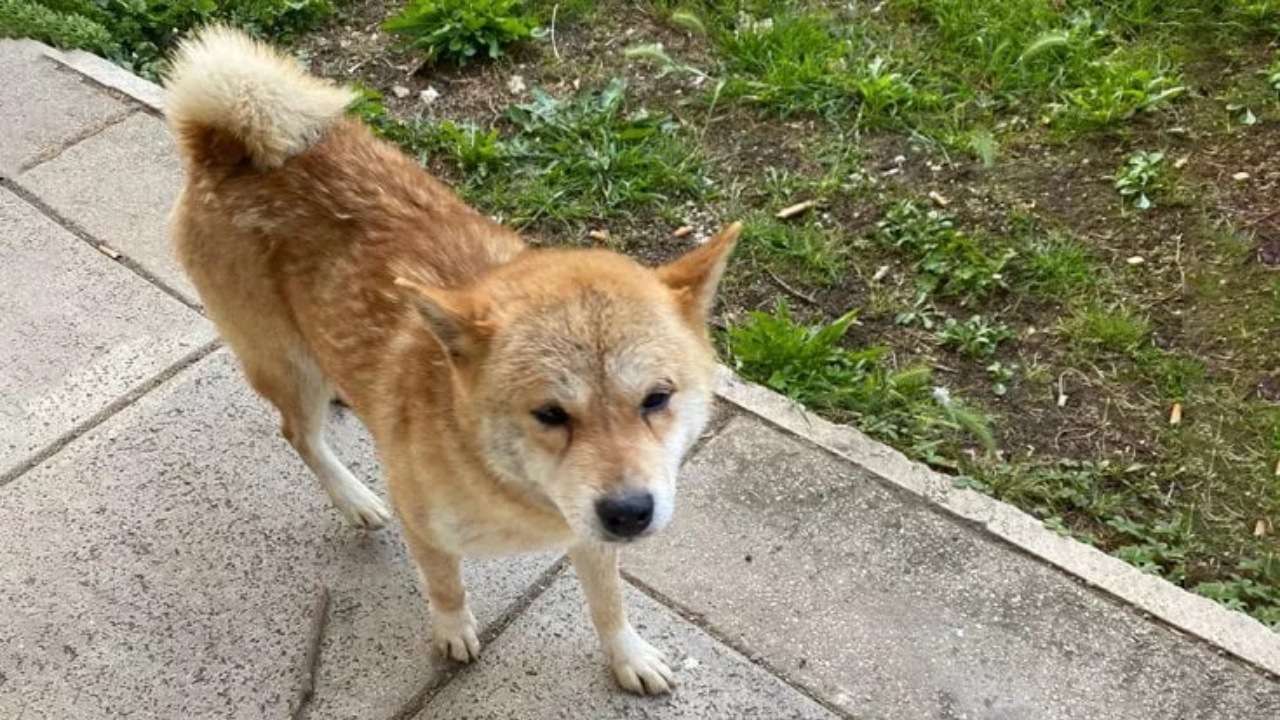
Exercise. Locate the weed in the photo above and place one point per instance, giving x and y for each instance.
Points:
(1001, 376)
(1175, 376)
(949, 262)
(976, 337)
(1118, 89)
(460, 31)
(1238, 592)
(1273, 76)
(922, 313)
(1142, 173)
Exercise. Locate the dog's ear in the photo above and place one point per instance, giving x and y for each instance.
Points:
(461, 321)
(694, 276)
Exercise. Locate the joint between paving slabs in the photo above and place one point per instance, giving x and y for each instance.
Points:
(752, 656)
(96, 128)
(106, 250)
(723, 414)
(105, 414)
(420, 699)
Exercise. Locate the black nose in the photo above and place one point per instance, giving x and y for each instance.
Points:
(626, 515)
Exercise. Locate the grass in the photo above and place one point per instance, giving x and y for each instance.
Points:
(567, 161)
(1115, 330)
(805, 250)
(815, 63)
(813, 365)
(948, 262)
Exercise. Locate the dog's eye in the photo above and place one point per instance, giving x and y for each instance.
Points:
(551, 415)
(655, 401)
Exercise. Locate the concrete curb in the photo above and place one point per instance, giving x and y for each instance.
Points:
(110, 75)
(1233, 632)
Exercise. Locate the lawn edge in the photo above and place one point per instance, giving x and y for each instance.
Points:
(1232, 632)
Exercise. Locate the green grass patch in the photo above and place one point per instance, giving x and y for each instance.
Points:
(948, 262)
(1055, 267)
(803, 250)
(818, 63)
(1134, 510)
(565, 160)
(813, 365)
(1111, 330)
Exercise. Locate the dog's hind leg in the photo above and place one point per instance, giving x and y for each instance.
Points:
(298, 389)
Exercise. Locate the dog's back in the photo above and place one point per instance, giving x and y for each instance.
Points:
(296, 220)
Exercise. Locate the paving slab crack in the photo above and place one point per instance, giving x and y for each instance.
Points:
(108, 252)
(736, 645)
(109, 411)
(310, 666)
(415, 704)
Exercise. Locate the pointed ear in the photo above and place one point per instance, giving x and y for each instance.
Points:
(694, 276)
(461, 321)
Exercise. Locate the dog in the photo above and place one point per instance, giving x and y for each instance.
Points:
(521, 399)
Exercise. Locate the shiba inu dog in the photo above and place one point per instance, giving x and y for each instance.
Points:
(521, 399)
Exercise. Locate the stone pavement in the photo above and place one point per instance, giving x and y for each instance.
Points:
(164, 555)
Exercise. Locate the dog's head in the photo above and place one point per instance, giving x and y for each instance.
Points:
(586, 376)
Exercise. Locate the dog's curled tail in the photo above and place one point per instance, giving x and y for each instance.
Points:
(229, 97)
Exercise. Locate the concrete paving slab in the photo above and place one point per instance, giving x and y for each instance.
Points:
(548, 664)
(119, 186)
(891, 610)
(165, 565)
(78, 331)
(43, 106)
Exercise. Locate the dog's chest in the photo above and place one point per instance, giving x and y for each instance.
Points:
(499, 528)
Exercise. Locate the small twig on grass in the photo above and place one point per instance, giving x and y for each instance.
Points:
(790, 290)
(554, 50)
(793, 210)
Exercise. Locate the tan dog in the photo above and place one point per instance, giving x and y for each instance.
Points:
(520, 399)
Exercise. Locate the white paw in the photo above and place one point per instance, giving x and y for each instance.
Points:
(360, 506)
(639, 667)
(455, 635)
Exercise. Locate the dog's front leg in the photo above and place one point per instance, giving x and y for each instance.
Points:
(453, 627)
(638, 666)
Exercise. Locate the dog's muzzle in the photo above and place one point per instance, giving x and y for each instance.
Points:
(627, 515)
